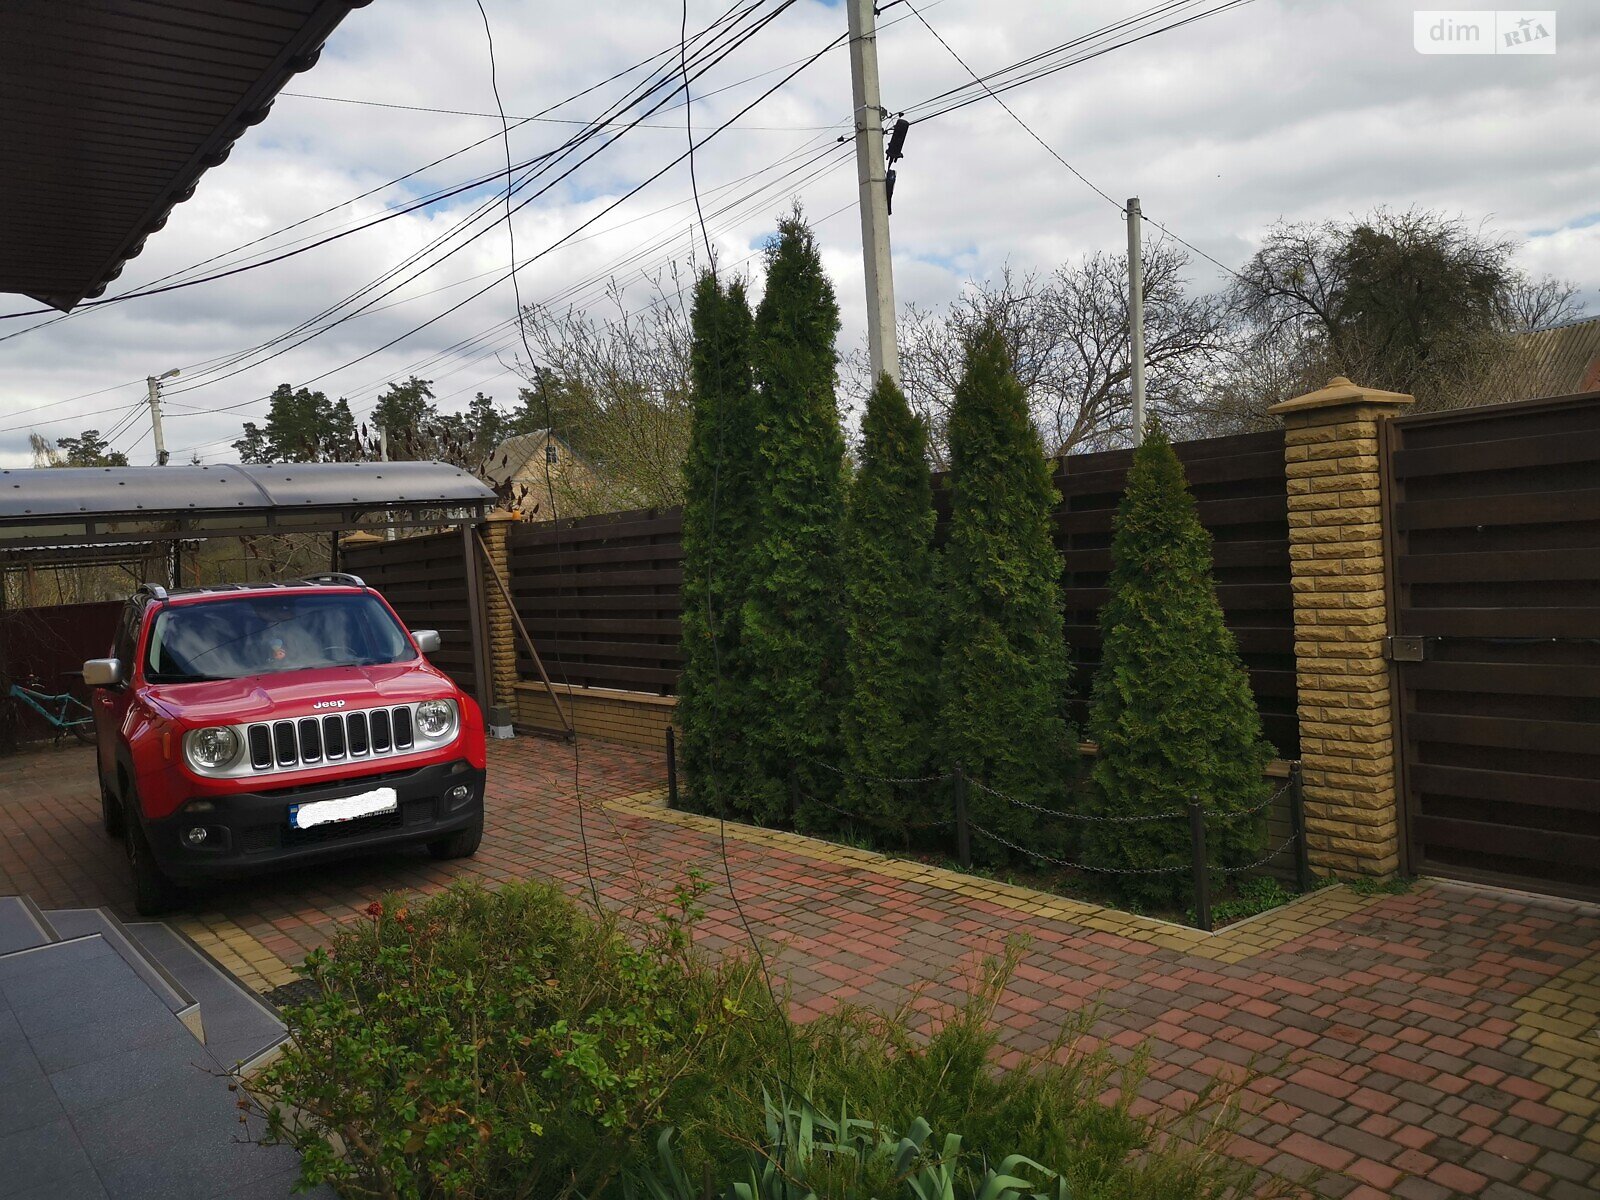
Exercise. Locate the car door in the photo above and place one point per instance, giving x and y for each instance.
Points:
(110, 704)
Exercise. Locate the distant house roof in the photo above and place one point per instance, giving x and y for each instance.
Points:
(111, 110)
(516, 452)
(1561, 361)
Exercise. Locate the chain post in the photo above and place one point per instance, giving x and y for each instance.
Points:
(1202, 883)
(1297, 827)
(958, 778)
(672, 766)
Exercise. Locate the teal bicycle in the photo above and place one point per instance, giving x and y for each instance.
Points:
(63, 711)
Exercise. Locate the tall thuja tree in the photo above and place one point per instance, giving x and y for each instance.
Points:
(719, 523)
(1004, 676)
(793, 629)
(1172, 708)
(890, 616)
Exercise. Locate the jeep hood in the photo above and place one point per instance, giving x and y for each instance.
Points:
(298, 693)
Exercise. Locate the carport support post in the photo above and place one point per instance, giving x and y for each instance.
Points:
(1336, 514)
(476, 616)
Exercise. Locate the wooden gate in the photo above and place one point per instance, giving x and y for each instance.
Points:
(1494, 545)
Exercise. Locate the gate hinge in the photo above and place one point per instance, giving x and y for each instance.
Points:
(1403, 649)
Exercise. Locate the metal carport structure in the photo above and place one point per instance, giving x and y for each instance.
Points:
(67, 509)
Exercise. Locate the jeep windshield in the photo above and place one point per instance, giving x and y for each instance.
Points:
(272, 633)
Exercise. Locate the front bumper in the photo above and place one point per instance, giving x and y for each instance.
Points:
(249, 832)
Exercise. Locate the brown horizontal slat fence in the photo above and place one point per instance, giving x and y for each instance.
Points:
(1495, 547)
(600, 595)
(424, 578)
(600, 598)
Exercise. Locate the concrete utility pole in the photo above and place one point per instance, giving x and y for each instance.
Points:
(153, 384)
(1136, 317)
(871, 170)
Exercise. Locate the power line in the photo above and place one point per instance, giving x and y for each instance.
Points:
(559, 241)
(721, 53)
(1049, 149)
(391, 214)
(462, 112)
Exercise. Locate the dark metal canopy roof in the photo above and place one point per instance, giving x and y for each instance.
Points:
(75, 506)
(111, 110)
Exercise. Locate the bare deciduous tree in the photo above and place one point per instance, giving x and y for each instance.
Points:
(615, 386)
(1068, 337)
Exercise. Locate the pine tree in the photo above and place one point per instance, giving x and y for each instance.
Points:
(890, 616)
(792, 637)
(1172, 709)
(719, 523)
(1004, 673)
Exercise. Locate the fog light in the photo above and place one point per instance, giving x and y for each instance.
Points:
(458, 793)
(196, 836)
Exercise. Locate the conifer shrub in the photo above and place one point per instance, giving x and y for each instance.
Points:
(1171, 709)
(719, 526)
(792, 627)
(891, 622)
(1004, 672)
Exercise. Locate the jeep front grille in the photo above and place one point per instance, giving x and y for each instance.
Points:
(368, 733)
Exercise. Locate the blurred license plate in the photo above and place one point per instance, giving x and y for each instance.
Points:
(346, 808)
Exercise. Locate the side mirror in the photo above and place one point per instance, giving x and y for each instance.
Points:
(104, 672)
(427, 640)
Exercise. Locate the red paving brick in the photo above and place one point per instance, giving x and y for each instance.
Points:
(1387, 1041)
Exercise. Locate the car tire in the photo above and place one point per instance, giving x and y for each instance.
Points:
(110, 811)
(153, 893)
(463, 843)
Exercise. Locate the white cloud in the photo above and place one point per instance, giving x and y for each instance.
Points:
(1284, 108)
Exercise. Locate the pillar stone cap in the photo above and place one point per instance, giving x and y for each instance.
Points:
(359, 538)
(1340, 393)
(503, 514)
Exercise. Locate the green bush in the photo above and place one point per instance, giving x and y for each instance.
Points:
(1004, 676)
(891, 617)
(481, 1044)
(792, 625)
(719, 524)
(1172, 709)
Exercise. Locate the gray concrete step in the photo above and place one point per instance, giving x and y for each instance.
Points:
(22, 925)
(180, 1002)
(241, 1028)
(105, 1093)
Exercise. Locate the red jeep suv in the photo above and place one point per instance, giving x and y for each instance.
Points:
(257, 725)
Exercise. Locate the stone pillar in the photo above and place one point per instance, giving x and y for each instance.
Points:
(502, 629)
(1336, 515)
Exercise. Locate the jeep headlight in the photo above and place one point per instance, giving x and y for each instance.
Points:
(209, 749)
(436, 718)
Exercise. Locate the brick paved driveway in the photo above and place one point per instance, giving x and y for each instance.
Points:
(1435, 1044)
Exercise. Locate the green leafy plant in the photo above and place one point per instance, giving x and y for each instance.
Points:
(719, 524)
(1004, 678)
(1255, 896)
(891, 616)
(792, 627)
(506, 1044)
(1172, 709)
(1365, 885)
(806, 1155)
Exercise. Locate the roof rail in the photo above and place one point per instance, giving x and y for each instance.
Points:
(153, 590)
(336, 577)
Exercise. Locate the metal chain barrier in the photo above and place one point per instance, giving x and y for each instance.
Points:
(1076, 866)
(860, 778)
(853, 816)
(1076, 816)
(1261, 862)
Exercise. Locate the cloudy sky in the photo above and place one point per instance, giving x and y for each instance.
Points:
(1305, 109)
